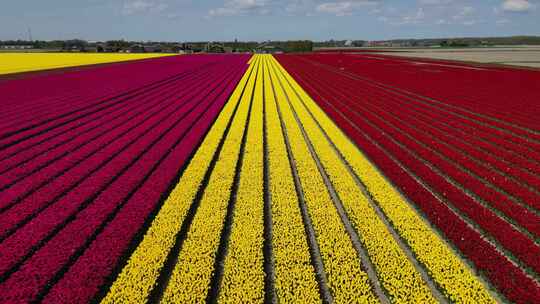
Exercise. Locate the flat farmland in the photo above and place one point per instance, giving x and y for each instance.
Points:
(313, 178)
(518, 56)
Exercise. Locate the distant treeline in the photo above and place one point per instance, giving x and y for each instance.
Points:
(196, 46)
(471, 41)
(249, 46)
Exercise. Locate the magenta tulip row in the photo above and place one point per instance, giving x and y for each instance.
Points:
(74, 202)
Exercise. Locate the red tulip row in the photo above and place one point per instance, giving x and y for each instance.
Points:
(511, 144)
(504, 94)
(408, 138)
(386, 127)
(93, 197)
(432, 116)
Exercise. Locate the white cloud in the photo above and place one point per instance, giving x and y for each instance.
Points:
(142, 6)
(241, 7)
(463, 13)
(414, 17)
(470, 22)
(336, 8)
(434, 2)
(344, 8)
(516, 5)
(441, 21)
(299, 7)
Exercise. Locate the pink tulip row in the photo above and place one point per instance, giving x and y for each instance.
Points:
(74, 218)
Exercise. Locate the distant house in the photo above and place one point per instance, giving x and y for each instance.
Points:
(16, 47)
(140, 48)
(268, 48)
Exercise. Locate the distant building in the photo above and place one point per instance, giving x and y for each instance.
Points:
(16, 47)
(141, 48)
(268, 49)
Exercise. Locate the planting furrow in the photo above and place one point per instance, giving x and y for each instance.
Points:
(342, 264)
(458, 166)
(68, 89)
(400, 280)
(191, 276)
(50, 150)
(109, 201)
(61, 130)
(98, 252)
(132, 285)
(51, 123)
(516, 242)
(509, 279)
(463, 82)
(56, 179)
(477, 115)
(471, 146)
(456, 122)
(525, 194)
(450, 274)
(527, 127)
(519, 140)
(293, 271)
(35, 113)
(53, 213)
(241, 276)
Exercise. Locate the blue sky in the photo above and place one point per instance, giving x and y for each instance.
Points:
(185, 20)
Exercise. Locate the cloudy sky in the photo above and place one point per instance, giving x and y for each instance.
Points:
(184, 20)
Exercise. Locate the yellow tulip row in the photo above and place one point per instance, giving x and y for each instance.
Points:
(347, 281)
(243, 276)
(267, 89)
(190, 279)
(294, 273)
(25, 62)
(457, 281)
(397, 274)
(139, 276)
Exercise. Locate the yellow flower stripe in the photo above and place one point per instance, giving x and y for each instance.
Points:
(294, 274)
(243, 276)
(138, 277)
(396, 273)
(25, 62)
(347, 281)
(189, 282)
(458, 282)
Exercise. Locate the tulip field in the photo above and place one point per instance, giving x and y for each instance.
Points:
(238, 178)
(26, 62)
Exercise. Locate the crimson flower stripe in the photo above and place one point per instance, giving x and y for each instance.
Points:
(69, 91)
(456, 122)
(455, 85)
(103, 255)
(142, 163)
(53, 122)
(59, 172)
(395, 161)
(423, 144)
(118, 95)
(33, 159)
(54, 215)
